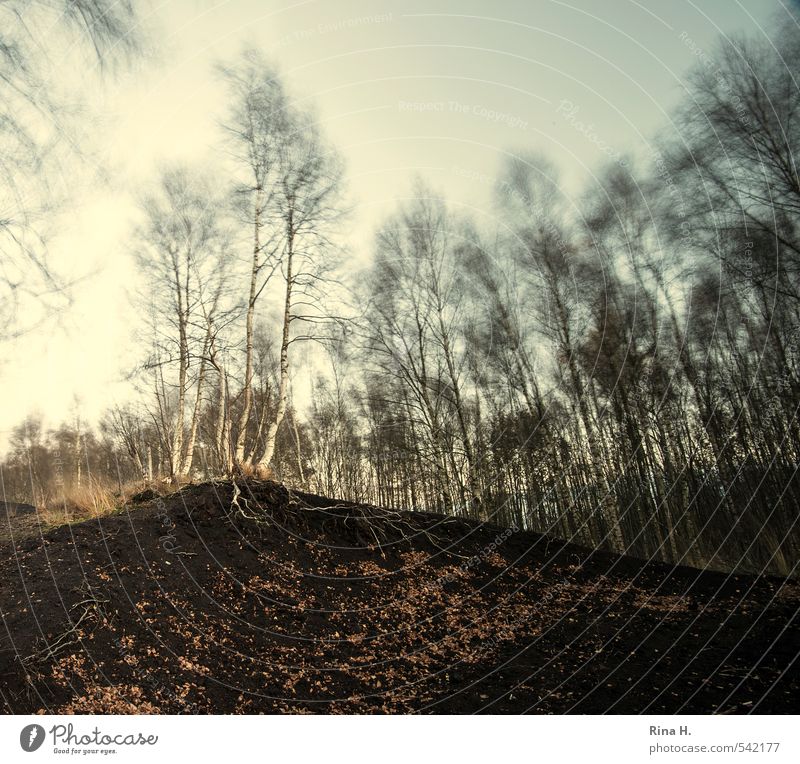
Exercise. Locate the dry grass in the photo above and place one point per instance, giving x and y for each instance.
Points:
(257, 471)
(85, 502)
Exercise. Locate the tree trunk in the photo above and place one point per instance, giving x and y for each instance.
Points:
(249, 327)
(188, 458)
(182, 299)
(78, 452)
(283, 385)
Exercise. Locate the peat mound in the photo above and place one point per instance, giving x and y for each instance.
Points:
(247, 597)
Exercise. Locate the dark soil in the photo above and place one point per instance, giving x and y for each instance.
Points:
(183, 605)
(14, 509)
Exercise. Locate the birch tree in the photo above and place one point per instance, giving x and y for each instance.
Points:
(307, 203)
(179, 249)
(257, 127)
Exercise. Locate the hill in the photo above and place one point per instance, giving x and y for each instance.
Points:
(248, 598)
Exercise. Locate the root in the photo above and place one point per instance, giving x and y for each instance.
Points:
(369, 526)
(245, 511)
(92, 607)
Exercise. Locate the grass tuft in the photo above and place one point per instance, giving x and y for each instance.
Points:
(87, 501)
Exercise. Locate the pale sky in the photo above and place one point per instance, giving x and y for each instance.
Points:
(442, 88)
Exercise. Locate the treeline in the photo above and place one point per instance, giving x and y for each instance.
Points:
(620, 369)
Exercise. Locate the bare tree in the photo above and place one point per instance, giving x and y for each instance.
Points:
(307, 203)
(32, 128)
(179, 251)
(257, 127)
(415, 330)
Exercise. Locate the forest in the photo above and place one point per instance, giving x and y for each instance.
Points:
(327, 398)
(617, 367)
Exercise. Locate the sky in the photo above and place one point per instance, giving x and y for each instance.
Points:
(444, 89)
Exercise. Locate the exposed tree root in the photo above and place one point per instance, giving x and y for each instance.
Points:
(368, 526)
(90, 607)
